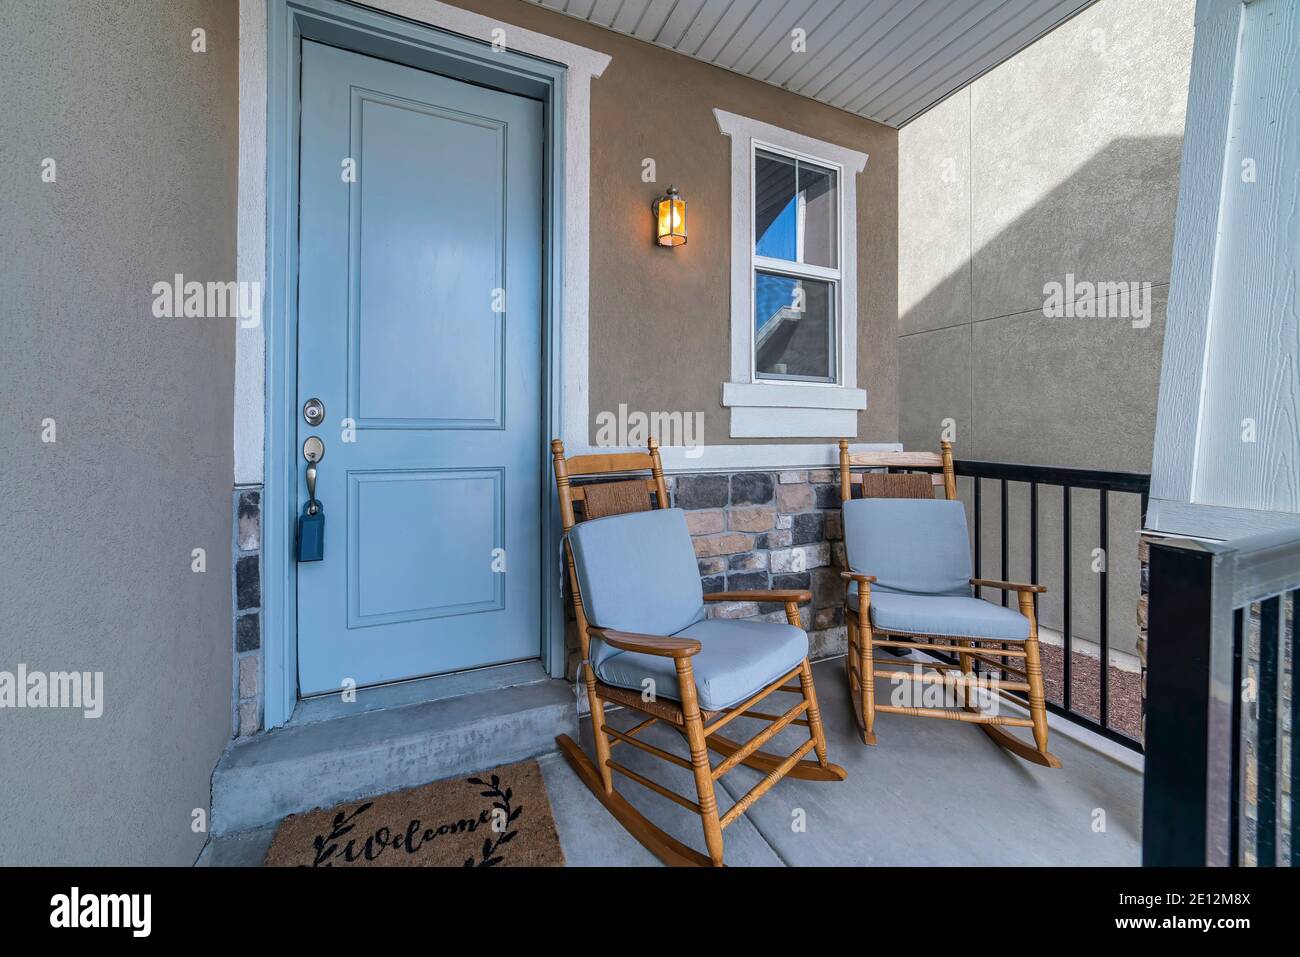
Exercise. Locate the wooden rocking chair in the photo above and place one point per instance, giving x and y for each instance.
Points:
(916, 554)
(639, 606)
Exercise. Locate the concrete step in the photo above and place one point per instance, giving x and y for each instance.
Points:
(318, 764)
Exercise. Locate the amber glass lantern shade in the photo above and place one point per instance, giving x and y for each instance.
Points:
(670, 219)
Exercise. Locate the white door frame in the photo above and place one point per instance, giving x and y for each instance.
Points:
(557, 72)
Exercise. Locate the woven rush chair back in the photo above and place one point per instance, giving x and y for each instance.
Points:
(907, 475)
(608, 485)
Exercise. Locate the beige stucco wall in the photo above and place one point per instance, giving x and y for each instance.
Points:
(659, 319)
(99, 526)
(1062, 160)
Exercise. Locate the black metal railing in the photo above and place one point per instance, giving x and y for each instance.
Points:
(1222, 636)
(1068, 480)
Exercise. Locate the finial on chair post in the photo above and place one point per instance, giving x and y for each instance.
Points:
(657, 473)
(846, 488)
(949, 475)
(560, 472)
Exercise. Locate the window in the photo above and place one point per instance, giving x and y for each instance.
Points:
(793, 283)
(796, 274)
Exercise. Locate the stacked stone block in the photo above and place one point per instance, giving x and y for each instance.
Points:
(248, 612)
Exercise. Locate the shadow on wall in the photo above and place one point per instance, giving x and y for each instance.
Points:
(1021, 386)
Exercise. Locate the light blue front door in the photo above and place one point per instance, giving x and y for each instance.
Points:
(419, 330)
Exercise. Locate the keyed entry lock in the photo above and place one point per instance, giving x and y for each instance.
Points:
(313, 411)
(311, 524)
(313, 450)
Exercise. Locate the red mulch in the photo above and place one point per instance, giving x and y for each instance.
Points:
(1125, 702)
(1125, 692)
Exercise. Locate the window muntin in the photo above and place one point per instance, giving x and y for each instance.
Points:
(795, 266)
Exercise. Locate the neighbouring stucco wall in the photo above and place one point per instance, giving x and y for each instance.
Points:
(660, 319)
(1063, 160)
(99, 526)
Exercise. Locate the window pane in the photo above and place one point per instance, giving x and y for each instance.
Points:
(775, 209)
(820, 201)
(794, 326)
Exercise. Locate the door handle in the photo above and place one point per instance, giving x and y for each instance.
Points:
(310, 539)
(313, 450)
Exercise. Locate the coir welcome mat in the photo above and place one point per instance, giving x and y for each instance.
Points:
(501, 818)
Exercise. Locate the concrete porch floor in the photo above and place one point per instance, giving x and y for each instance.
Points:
(930, 793)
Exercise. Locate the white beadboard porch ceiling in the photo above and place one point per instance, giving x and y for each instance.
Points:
(886, 60)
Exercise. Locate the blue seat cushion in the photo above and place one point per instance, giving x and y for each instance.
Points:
(944, 615)
(736, 659)
(637, 573)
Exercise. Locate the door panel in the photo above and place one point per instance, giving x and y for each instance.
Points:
(389, 557)
(412, 372)
(420, 331)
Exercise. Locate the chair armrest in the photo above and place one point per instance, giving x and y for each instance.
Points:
(663, 647)
(859, 578)
(1006, 586)
(763, 594)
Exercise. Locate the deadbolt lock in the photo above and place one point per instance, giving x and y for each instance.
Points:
(313, 411)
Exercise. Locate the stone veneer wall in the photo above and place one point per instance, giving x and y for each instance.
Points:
(755, 530)
(771, 530)
(1250, 734)
(247, 703)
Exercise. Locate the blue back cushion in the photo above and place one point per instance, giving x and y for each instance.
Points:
(918, 546)
(638, 572)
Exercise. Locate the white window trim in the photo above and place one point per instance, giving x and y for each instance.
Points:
(770, 408)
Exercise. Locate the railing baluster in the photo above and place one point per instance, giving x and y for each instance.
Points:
(1103, 624)
(1005, 575)
(1270, 622)
(1295, 730)
(1033, 540)
(1066, 644)
(979, 592)
(1234, 796)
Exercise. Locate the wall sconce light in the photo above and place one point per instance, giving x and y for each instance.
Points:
(670, 218)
